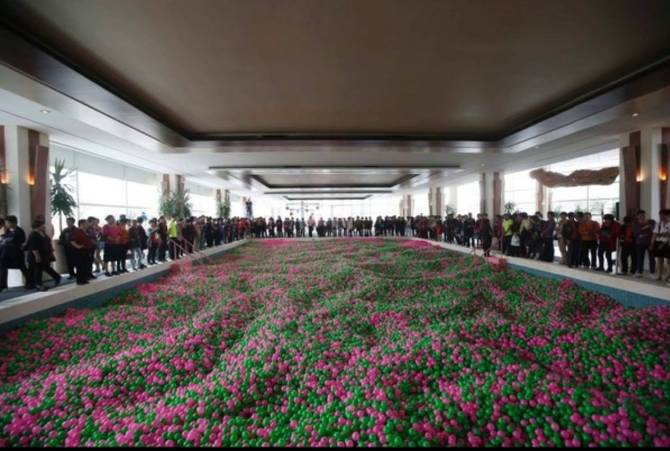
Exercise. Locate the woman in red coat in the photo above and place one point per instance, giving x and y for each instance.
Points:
(607, 240)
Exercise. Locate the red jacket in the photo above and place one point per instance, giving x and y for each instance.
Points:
(626, 234)
(608, 236)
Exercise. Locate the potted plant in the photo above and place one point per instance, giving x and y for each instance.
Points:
(223, 209)
(176, 204)
(61, 200)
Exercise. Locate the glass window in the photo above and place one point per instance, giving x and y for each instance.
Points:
(144, 196)
(468, 198)
(421, 205)
(100, 190)
(202, 205)
(598, 199)
(520, 189)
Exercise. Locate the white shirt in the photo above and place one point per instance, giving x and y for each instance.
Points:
(663, 231)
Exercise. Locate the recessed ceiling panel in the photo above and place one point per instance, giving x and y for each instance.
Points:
(326, 197)
(380, 180)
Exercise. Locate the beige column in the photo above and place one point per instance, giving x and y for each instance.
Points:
(25, 175)
(435, 201)
(406, 205)
(650, 168)
(490, 188)
(541, 198)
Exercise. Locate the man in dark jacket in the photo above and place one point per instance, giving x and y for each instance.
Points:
(81, 248)
(12, 256)
(70, 254)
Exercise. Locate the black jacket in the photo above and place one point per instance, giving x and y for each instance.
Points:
(12, 250)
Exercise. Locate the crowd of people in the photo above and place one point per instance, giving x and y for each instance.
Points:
(91, 248)
(581, 241)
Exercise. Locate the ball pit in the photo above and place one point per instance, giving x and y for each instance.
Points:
(341, 343)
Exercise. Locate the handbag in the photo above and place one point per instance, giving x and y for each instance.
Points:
(516, 240)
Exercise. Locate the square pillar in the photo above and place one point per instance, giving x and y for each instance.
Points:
(664, 173)
(435, 201)
(406, 205)
(650, 168)
(18, 174)
(629, 172)
(491, 189)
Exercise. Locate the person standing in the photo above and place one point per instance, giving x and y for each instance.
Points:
(627, 249)
(64, 241)
(515, 245)
(548, 229)
(208, 230)
(661, 243)
(570, 232)
(142, 233)
(163, 239)
(12, 256)
(562, 242)
(137, 240)
(173, 237)
(94, 233)
(311, 223)
(123, 245)
(153, 241)
(485, 234)
(608, 236)
(189, 236)
(81, 246)
(588, 233)
(110, 236)
(271, 227)
(642, 234)
(506, 232)
(40, 256)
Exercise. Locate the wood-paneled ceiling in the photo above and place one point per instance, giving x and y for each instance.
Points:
(469, 69)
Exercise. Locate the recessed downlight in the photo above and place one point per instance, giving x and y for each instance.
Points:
(45, 111)
(636, 114)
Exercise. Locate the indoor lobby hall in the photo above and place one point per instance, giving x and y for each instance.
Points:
(334, 223)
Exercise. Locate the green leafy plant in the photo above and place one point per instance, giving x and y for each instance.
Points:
(450, 210)
(509, 207)
(61, 200)
(223, 208)
(176, 204)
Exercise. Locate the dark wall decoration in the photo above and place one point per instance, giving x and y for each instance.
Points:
(605, 176)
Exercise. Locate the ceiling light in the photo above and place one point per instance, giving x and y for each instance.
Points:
(636, 114)
(45, 111)
(537, 147)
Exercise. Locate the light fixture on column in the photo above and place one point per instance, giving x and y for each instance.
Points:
(639, 177)
(663, 176)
